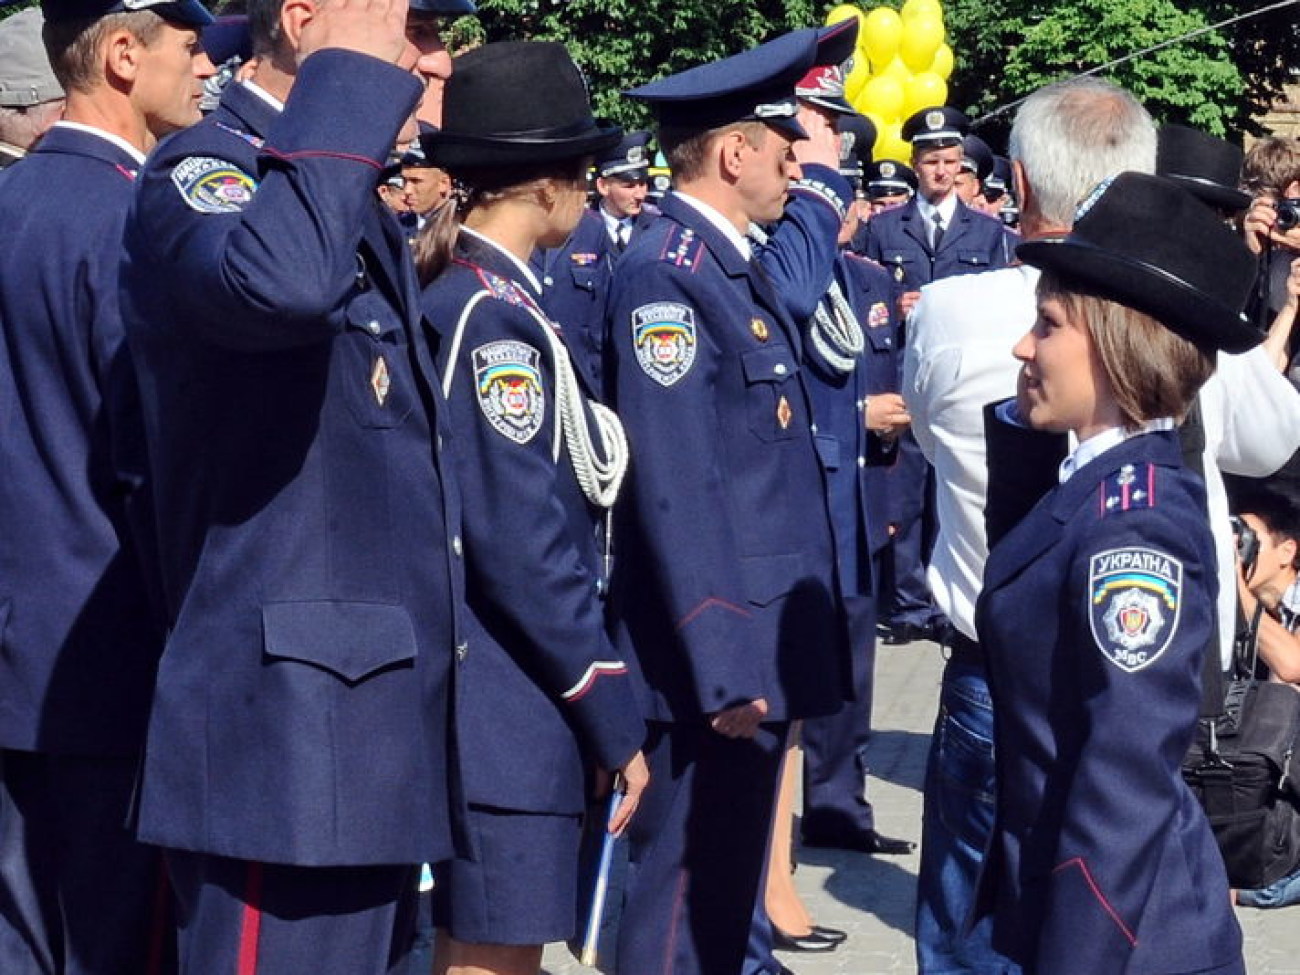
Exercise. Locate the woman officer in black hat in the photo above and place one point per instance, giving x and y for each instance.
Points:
(1097, 608)
(541, 694)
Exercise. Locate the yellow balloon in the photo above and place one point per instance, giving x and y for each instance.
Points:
(895, 69)
(923, 90)
(880, 35)
(943, 62)
(922, 8)
(882, 96)
(857, 78)
(845, 11)
(884, 133)
(921, 39)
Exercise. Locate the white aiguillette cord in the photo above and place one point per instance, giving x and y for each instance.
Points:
(836, 333)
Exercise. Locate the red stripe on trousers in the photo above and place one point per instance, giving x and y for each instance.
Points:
(252, 922)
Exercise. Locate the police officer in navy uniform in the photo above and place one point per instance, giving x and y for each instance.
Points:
(622, 175)
(297, 768)
(934, 236)
(1098, 606)
(725, 581)
(79, 612)
(851, 346)
(542, 696)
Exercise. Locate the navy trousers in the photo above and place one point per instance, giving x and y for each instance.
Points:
(237, 917)
(697, 849)
(78, 894)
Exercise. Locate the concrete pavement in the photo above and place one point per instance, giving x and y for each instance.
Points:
(872, 897)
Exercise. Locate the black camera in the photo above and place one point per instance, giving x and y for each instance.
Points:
(1247, 544)
(1288, 213)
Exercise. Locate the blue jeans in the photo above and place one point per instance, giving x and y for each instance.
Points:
(1281, 893)
(959, 804)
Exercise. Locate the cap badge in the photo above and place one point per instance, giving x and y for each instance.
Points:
(759, 328)
(636, 155)
(934, 121)
(887, 170)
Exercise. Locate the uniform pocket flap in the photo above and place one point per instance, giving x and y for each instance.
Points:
(973, 258)
(768, 365)
(828, 449)
(367, 312)
(351, 640)
(770, 576)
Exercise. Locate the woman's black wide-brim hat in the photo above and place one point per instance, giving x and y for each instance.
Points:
(513, 103)
(1147, 243)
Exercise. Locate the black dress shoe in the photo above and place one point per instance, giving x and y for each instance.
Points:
(863, 841)
(812, 941)
(835, 934)
(901, 633)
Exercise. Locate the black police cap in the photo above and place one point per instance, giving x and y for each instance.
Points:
(936, 127)
(187, 13)
(889, 177)
(976, 157)
(629, 159)
(756, 85)
(1208, 168)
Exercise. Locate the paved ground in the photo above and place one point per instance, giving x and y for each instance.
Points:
(872, 897)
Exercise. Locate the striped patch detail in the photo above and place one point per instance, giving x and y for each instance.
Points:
(594, 671)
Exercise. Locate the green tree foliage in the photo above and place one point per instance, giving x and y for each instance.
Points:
(1216, 81)
(622, 43)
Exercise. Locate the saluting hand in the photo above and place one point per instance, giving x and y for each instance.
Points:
(823, 143)
(635, 776)
(374, 27)
(741, 721)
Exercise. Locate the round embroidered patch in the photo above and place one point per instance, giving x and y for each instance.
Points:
(663, 334)
(509, 384)
(1133, 604)
(211, 185)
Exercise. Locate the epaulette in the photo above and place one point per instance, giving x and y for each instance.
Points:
(821, 191)
(257, 142)
(1131, 487)
(503, 289)
(682, 248)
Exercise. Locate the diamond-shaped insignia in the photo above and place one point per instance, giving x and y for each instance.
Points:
(380, 381)
(759, 328)
(783, 413)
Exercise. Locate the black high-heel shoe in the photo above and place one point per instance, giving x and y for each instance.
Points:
(813, 941)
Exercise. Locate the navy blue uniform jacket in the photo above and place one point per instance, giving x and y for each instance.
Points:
(540, 676)
(725, 579)
(80, 635)
(899, 240)
(308, 548)
(1095, 612)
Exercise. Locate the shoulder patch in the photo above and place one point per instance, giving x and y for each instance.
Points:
(1134, 596)
(508, 380)
(1132, 486)
(663, 334)
(682, 248)
(211, 185)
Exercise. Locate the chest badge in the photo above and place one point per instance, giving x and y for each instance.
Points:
(783, 413)
(380, 380)
(759, 328)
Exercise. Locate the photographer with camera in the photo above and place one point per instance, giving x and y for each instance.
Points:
(1271, 175)
(1268, 555)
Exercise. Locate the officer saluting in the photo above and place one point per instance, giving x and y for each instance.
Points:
(296, 768)
(725, 578)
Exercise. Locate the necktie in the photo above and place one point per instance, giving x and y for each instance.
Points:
(936, 235)
(624, 233)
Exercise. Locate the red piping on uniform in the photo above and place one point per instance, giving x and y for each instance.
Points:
(591, 682)
(711, 601)
(1151, 485)
(1101, 898)
(321, 153)
(1101, 497)
(252, 922)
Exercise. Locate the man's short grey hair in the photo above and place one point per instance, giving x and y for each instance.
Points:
(1071, 135)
